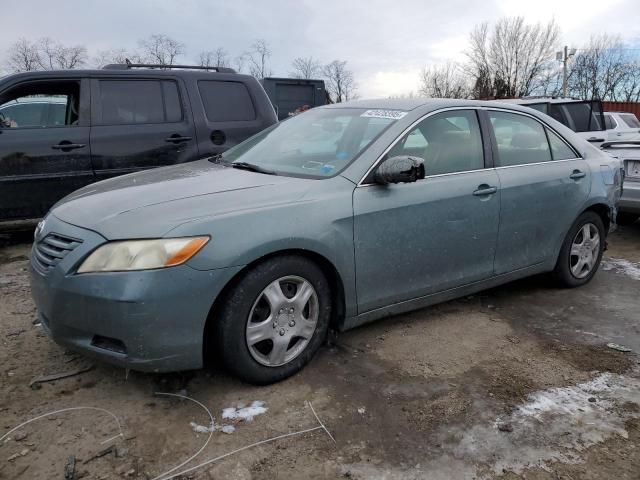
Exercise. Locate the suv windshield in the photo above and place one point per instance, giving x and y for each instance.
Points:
(318, 143)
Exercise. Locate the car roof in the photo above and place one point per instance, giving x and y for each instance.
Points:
(424, 103)
(134, 72)
(528, 101)
(620, 112)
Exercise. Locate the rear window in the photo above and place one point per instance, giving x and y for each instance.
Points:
(631, 120)
(126, 102)
(226, 101)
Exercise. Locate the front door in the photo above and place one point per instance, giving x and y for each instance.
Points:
(435, 234)
(44, 146)
(139, 124)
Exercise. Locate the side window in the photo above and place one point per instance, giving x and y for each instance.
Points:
(448, 142)
(521, 140)
(559, 149)
(609, 122)
(630, 119)
(126, 102)
(226, 101)
(40, 104)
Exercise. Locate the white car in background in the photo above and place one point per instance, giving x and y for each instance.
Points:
(622, 126)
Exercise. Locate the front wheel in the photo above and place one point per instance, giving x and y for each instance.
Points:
(274, 319)
(581, 251)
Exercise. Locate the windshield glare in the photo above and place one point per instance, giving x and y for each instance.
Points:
(317, 143)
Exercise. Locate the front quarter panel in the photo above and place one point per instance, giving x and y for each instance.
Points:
(321, 221)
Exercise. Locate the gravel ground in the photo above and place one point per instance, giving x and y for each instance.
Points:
(516, 382)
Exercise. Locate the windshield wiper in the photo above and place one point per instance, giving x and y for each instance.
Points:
(252, 168)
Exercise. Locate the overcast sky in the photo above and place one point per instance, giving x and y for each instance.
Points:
(386, 43)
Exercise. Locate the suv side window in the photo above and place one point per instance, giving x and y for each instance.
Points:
(609, 122)
(226, 101)
(448, 142)
(127, 102)
(521, 140)
(630, 119)
(40, 104)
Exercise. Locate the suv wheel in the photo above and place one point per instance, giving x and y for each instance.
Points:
(274, 319)
(581, 251)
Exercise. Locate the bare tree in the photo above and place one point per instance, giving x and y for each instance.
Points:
(630, 89)
(340, 83)
(214, 58)
(511, 56)
(23, 56)
(44, 54)
(240, 63)
(602, 70)
(445, 81)
(116, 55)
(257, 58)
(162, 49)
(305, 67)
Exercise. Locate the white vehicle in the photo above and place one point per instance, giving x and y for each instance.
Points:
(623, 126)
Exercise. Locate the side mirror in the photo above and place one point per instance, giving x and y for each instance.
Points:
(401, 169)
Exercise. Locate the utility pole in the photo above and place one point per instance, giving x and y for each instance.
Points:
(564, 56)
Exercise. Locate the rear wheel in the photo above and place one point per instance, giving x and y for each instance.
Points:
(626, 218)
(581, 251)
(274, 319)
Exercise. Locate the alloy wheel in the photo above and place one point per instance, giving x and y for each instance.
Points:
(282, 321)
(585, 251)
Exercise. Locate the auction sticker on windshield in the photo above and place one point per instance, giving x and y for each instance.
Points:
(392, 114)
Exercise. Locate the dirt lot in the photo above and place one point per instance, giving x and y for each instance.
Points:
(516, 382)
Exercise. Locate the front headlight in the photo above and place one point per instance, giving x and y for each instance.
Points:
(142, 254)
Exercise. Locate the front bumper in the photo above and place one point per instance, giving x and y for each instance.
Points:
(150, 320)
(630, 199)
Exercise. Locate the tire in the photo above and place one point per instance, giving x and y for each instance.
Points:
(247, 335)
(626, 218)
(568, 271)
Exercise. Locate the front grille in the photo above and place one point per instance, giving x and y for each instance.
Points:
(49, 250)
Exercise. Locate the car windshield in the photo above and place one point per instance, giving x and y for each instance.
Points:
(318, 143)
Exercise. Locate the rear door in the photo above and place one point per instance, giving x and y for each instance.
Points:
(229, 112)
(43, 155)
(139, 124)
(543, 185)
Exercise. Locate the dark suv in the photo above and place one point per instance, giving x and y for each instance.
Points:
(61, 130)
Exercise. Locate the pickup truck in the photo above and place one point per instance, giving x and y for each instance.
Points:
(61, 130)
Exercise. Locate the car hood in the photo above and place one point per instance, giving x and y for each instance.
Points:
(151, 203)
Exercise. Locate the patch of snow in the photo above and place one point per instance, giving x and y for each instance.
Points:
(202, 429)
(620, 265)
(228, 429)
(244, 413)
(552, 425)
(362, 410)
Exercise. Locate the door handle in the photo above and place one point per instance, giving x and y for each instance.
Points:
(485, 190)
(66, 145)
(577, 174)
(175, 138)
